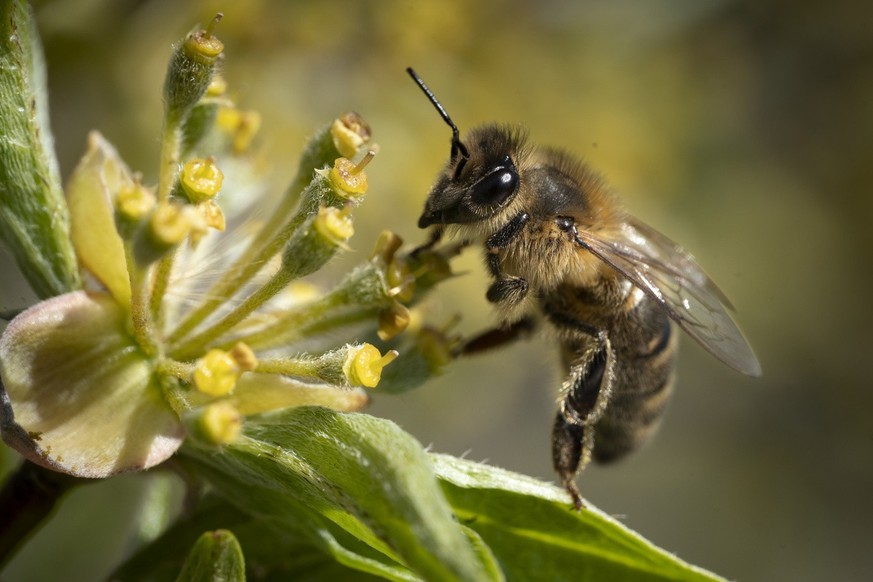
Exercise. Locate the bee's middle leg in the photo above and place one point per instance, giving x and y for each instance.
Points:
(586, 394)
(497, 337)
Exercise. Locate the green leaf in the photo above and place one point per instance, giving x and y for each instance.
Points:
(350, 484)
(271, 552)
(34, 221)
(216, 556)
(535, 535)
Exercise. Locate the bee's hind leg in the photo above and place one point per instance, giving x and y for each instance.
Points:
(585, 396)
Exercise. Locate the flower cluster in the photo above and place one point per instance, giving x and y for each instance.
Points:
(152, 347)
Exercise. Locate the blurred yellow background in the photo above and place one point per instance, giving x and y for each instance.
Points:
(742, 129)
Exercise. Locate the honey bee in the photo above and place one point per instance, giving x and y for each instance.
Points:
(560, 249)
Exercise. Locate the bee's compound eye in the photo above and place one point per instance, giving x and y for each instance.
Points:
(495, 188)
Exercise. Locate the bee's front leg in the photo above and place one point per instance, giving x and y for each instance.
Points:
(506, 290)
(585, 396)
(436, 234)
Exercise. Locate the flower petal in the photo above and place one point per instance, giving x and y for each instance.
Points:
(91, 191)
(79, 397)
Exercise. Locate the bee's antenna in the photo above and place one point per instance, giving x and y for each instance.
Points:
(457, 146)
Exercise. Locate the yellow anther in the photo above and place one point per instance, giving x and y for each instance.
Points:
(244, 357)
(216, 373)
(201, 180)
(386, 245)
(217, 86)
(202, 46)
(335, 225)
(135, 202)
(363, 365)
(228, 119)
(393, 321)
(170, 224)
(219, 423)
(246, 129)
(242, 126)
(212, 215)
(348, 177)
(349, 132)
(400, 279)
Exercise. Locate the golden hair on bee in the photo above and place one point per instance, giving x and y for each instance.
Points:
(564, 255)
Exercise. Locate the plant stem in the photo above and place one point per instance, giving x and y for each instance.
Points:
(159, 288)
(195, 344)
(170, 146)
(253, 259)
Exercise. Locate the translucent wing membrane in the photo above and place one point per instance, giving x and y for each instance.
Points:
(669, 274)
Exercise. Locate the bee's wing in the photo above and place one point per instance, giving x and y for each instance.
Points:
(669, 274)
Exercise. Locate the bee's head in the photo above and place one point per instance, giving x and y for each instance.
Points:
(477, 182)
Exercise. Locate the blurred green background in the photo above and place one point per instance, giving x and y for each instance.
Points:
(741, 129)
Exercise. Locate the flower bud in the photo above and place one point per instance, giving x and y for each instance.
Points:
(190, 71)
(167, 227)
(314, 244)
(215, 556)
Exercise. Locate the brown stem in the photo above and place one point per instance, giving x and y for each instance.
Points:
(28, 497)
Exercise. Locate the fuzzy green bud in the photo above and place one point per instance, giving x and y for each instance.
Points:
(215, 556)
(317, 242)
(168, 225)
(351, 365)
(190, 71)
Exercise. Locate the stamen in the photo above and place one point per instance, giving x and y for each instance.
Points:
(363, 163)
(211, 27)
